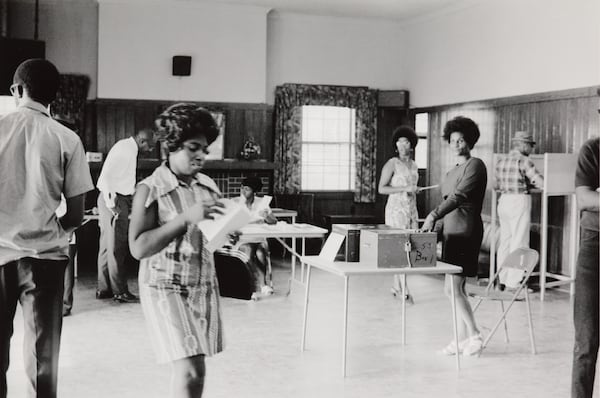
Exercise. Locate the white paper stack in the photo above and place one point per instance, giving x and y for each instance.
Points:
(217, 231)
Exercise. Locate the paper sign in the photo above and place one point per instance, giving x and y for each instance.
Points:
(332, 246)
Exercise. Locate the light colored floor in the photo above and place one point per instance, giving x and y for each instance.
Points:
(106, 350)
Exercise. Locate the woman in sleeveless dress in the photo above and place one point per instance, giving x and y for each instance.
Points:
(399, 178)
(178, 286)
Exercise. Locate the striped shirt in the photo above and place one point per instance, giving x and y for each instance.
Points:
(516, 174)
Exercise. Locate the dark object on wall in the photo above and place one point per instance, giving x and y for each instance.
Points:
(393, 99)
(12, 53)
(182, 65)
(234, 275)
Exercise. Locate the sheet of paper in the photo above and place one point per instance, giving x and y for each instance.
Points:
(332, 246)
(216, 231)
(263, 202)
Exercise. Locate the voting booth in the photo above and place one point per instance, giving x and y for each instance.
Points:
(559, 180)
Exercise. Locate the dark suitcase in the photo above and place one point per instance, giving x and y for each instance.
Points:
(236, 280)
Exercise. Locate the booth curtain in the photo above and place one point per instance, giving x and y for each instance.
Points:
(289, 98)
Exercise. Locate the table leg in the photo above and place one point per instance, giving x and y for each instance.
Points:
(293, 264)
(403, 305)
(302, 263)
(345, 336)
(454, 322)
(304, 319)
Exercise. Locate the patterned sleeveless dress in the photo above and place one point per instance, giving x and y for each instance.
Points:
(178, 286)
(401, 207)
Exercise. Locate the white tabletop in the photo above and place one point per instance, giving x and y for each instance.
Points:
(282, 230)
(343, 268)
(278, 212)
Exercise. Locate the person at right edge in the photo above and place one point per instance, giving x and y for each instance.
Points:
(585, 312)
(463, 190)
(515, 175)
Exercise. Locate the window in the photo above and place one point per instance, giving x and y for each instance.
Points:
(7, 104)
(421, 128)
(328, 142)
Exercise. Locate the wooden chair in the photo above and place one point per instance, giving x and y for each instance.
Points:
(524, 259)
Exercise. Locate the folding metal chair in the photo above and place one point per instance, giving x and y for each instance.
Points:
(524, 259)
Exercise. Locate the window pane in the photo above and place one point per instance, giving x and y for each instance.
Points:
(327, 148)
(7, 104)
(421, 153)
(422, 124)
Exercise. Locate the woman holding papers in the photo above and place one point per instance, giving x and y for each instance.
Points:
(177, 280)
(463, 190)
(399, 178)
(258, 252)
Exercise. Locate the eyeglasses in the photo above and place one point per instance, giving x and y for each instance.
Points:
(194, 147)
(14, 89)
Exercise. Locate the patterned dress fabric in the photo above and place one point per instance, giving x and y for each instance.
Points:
(178, 286)
(401, 207)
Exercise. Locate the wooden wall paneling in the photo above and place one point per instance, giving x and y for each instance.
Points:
(121, 131)
(560, 122)
(235, 127)
(100, 128)
(88, 135)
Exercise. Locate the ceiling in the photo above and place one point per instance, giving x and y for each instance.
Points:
(399, 10)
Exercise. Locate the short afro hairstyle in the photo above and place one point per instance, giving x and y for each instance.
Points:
(464, 125)
(183, 121)
(406, 132)
(253, 182)
(40, 78)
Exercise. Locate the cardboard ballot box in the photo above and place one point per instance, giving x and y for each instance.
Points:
(351, 245)
(386, 248)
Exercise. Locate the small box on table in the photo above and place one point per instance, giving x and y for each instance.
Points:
(352, 242)
(386, 248)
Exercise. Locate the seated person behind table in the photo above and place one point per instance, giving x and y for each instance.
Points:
(257, 251)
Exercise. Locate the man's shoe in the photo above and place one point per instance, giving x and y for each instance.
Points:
(103, 294)
(126, 298)
(66, 311)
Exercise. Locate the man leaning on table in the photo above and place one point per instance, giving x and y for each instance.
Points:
(117, 185)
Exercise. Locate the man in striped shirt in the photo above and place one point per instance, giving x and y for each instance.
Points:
(515, 176)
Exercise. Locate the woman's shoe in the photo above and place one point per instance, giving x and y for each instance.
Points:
(254, 296)
(450, 349)
(266, 290)
(473, 346)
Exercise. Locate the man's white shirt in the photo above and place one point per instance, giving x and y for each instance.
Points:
(118, 171)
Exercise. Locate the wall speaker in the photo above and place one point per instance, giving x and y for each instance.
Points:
(182, 65)
(393, 99)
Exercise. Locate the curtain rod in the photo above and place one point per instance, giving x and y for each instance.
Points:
(329, 85)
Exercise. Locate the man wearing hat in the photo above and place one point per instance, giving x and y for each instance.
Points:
(515, 176)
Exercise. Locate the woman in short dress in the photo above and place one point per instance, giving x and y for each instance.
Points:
(399, 178)
(463, 190)
(178, 286)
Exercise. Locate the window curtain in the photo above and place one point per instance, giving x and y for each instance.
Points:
(289, 98)
(71, 98)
